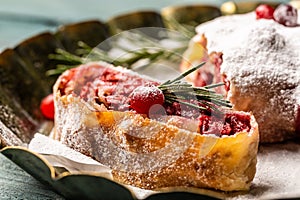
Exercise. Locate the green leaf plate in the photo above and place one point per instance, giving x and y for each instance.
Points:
(87, 186)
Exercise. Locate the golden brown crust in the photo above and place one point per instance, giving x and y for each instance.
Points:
(152, 153)
(226, 163)
(220, 163)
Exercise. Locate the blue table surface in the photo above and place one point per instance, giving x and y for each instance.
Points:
(22, 19)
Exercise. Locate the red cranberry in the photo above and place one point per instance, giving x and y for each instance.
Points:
(47, 106)
(286, 15)
(144, 97)
(264, 11)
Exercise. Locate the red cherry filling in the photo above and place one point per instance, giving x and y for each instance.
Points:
(123, 91)
(286, 15)
(145, 97)
(226, 82)
(227, 124)
(264, 11)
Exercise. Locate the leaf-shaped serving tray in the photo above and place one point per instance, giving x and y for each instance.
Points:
(24, 84)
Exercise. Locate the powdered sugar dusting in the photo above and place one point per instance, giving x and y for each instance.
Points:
(153, 154)
(261, 58)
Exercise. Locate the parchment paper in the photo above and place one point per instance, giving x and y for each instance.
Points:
(277, 176)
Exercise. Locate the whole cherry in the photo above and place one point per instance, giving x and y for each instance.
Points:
(47, 107)
(286, 15)
(264, 11)
(144, 97)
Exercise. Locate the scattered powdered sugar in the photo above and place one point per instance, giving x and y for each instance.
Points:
(261, 58)
(147, 92)
(277, 174)
(45, 145)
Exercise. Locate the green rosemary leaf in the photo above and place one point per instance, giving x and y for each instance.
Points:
(187, 30)
(143, 47)
(66, 56)
(185, 93)
(213, 85)
(184, 74)
(150, 50)
(172, 99)
(177, 86)
(60, 69)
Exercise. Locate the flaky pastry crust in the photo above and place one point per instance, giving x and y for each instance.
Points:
(156, 153)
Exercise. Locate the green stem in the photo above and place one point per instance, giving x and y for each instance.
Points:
(184, 74)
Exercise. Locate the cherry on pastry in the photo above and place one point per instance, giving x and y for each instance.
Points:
(145, 97)
(264, 11)
(286, 15)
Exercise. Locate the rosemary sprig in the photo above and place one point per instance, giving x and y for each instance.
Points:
(67, 59)
(150, 50)
(184, 74)
(203, 98)
(142, 47)
(187, 30)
